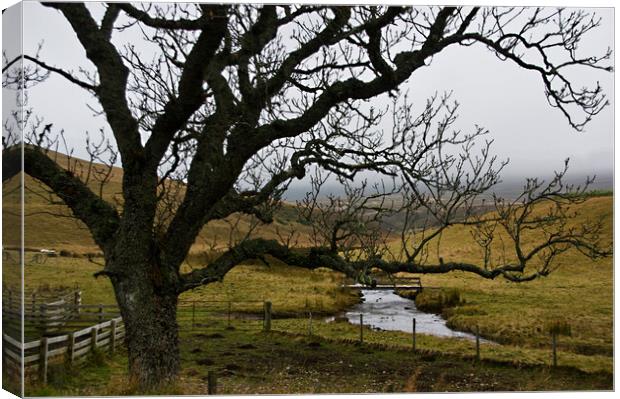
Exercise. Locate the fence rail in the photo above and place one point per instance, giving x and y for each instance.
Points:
(71, 340)
(56, 318)
(70, 348)
(42, 310)
(387, 282)
(40, 295)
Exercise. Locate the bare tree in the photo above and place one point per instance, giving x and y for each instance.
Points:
(239, 100)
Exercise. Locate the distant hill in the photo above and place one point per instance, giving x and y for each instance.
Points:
(509, 186)
(457, 242)
(45, 229)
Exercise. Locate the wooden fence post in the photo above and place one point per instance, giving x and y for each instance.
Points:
(34, 303)
(413, 335)
(100, 313)
(267, 320)
(43, 311)
(71, 348)
(43, 360)
(77, 301)
(554, 344)
(212, 383)
(193, 314)
(361, 328)
(478, 343)
(310, 323)
(93, 339)
(10, 299)
(113, 336)
(229, 310)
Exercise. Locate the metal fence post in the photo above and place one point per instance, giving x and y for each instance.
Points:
(413, 335)
(361, 328)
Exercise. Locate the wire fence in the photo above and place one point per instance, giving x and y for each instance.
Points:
(60, 332)
(198, 314)
(79, 337)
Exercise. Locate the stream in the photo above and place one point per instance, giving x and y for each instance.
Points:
(383, 309)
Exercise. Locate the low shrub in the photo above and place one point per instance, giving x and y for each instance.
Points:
(435, 301)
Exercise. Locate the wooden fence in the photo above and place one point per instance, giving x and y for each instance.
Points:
(47, 313)
(11, 297)
(68, 333)
(71, 348)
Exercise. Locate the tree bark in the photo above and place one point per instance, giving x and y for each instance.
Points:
(151, 330)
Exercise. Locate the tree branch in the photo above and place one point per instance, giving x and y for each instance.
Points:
(162, 23)
(113, 76)
(99, 216)
(314, 258)
(191, 97)
(67, 75)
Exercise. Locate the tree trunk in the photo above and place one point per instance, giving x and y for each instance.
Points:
(151, 332)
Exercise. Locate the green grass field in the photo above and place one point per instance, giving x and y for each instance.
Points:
(249, 361)
(579, 293)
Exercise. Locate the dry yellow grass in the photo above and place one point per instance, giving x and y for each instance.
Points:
(44, 230)
(579, 292)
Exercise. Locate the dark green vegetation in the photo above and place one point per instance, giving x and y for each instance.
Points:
(436, 301)
(248, 361)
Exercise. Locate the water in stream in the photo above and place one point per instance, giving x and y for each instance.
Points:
(383, 309)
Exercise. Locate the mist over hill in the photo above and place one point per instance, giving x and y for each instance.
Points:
(509, 187)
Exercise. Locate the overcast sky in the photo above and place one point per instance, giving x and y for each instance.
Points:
(508, 101)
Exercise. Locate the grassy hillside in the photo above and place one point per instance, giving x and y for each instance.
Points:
(579, 292)
(45, 229)
(292, 290)
(515, 315)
